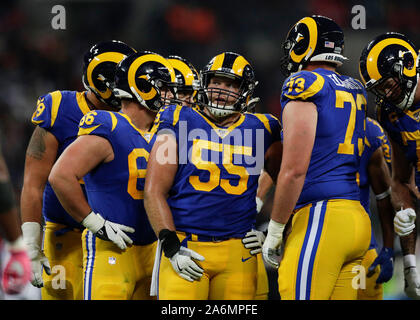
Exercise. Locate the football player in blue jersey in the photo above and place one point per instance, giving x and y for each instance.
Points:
(17, 269)
(389, 67)
(56, 117)
(374, 173)
(323, 119)
(201, 184)
(188, 84)
(111, 153)
(187, 80)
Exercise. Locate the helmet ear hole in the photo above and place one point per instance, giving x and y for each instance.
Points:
(144, 85)
(408, 60)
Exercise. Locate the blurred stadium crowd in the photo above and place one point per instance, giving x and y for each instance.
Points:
(36, 59)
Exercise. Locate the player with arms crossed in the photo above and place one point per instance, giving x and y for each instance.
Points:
(200, 199)
(389, 66)
(56, 118)
(323, 118)
(111, 153)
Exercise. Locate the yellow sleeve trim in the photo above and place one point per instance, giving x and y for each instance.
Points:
(176, 115)
(55, 105)
(410, 136)
(86, 131)
(312, 90)
(114, 121)
(263, 118)
(367, 142)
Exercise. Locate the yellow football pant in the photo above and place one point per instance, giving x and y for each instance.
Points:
(63, 248)
(230, 273)
(324, 250)
(113, 274)
(372, 291)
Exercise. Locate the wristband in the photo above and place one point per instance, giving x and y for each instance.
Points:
(383, 195)
(170, 242)
(31, 232)
(93, 222)
(276, 228)
(409, 261)
(260, 204)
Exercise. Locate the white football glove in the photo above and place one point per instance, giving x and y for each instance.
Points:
(254, 240)
(272, 243)
(404, 222)
(412, 283)
(31, 232)
(107, 230)
(184, 264)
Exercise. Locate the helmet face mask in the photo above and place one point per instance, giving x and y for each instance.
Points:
(312, 39)
(223, 102)
(146, 78)
(228, 83)
(99, 69)
(388, 69)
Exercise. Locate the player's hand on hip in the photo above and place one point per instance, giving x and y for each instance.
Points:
(32, 238)
(385, 260)
(107, 230)
(17, 273)
(404, 222)
(254, 240)
(272, 243)
(412, 283)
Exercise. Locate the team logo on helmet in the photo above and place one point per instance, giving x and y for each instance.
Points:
(145, 77)
(315, 38)
(233, 66)
(388, 69)
(187, 80)
(99, 69)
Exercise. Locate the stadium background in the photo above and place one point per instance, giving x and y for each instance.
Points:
(36, 59)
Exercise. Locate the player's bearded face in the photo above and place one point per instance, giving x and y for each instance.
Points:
(223, 91)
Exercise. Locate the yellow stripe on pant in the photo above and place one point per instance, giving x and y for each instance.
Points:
(114, 274)
(63, 248)
(230, 273)
(324, 251)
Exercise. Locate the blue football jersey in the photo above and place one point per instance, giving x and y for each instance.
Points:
(341, 105)
(218, 168)
(404, 129)
(375, 138)
(115, 189)
(59, 112)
